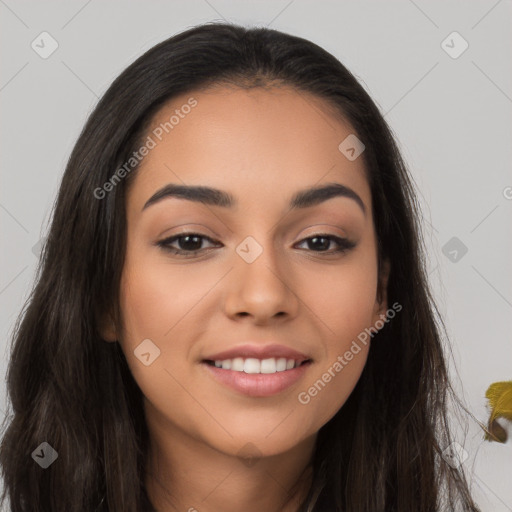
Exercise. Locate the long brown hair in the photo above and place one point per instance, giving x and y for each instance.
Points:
(382, 451)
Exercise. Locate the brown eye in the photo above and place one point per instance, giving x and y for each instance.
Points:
(321, 243)
(188, 243)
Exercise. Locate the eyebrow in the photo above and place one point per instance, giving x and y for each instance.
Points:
(215, 197)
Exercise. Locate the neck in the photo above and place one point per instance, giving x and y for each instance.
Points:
(187, 475)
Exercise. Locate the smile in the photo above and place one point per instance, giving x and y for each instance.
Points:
(253, 365)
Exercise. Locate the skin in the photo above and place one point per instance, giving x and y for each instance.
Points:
(262, 146)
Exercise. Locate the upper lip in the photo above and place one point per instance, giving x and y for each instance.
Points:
(259, 352)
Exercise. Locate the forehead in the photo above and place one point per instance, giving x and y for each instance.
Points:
(259, 144)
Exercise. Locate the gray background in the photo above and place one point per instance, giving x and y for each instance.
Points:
(451, 117)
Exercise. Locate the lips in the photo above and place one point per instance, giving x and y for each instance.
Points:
(257, 371)
(257, 385)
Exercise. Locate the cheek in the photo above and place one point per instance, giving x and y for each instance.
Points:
(150, 311)
(343, 301)
(346, 347)
(330, 386)
(158, 297)
(161, 302)
(342, 297)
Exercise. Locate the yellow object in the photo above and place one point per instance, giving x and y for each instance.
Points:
(499, 395)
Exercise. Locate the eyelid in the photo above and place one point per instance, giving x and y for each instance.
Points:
(188, 229)
(319, 229)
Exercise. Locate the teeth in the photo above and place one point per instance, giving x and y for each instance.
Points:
(268, 366)
(281, 364)
(253, 365)
(237, 364)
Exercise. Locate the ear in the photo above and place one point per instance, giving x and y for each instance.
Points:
(107, 328)
(381, 302)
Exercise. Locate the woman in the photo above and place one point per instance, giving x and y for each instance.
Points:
(232, 311)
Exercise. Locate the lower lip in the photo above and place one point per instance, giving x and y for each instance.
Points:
(257, 384)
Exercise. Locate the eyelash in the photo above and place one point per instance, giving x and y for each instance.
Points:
(344, 244)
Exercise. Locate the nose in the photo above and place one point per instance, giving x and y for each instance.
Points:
(261, 289)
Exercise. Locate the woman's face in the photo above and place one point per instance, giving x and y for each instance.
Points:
(265, 279)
